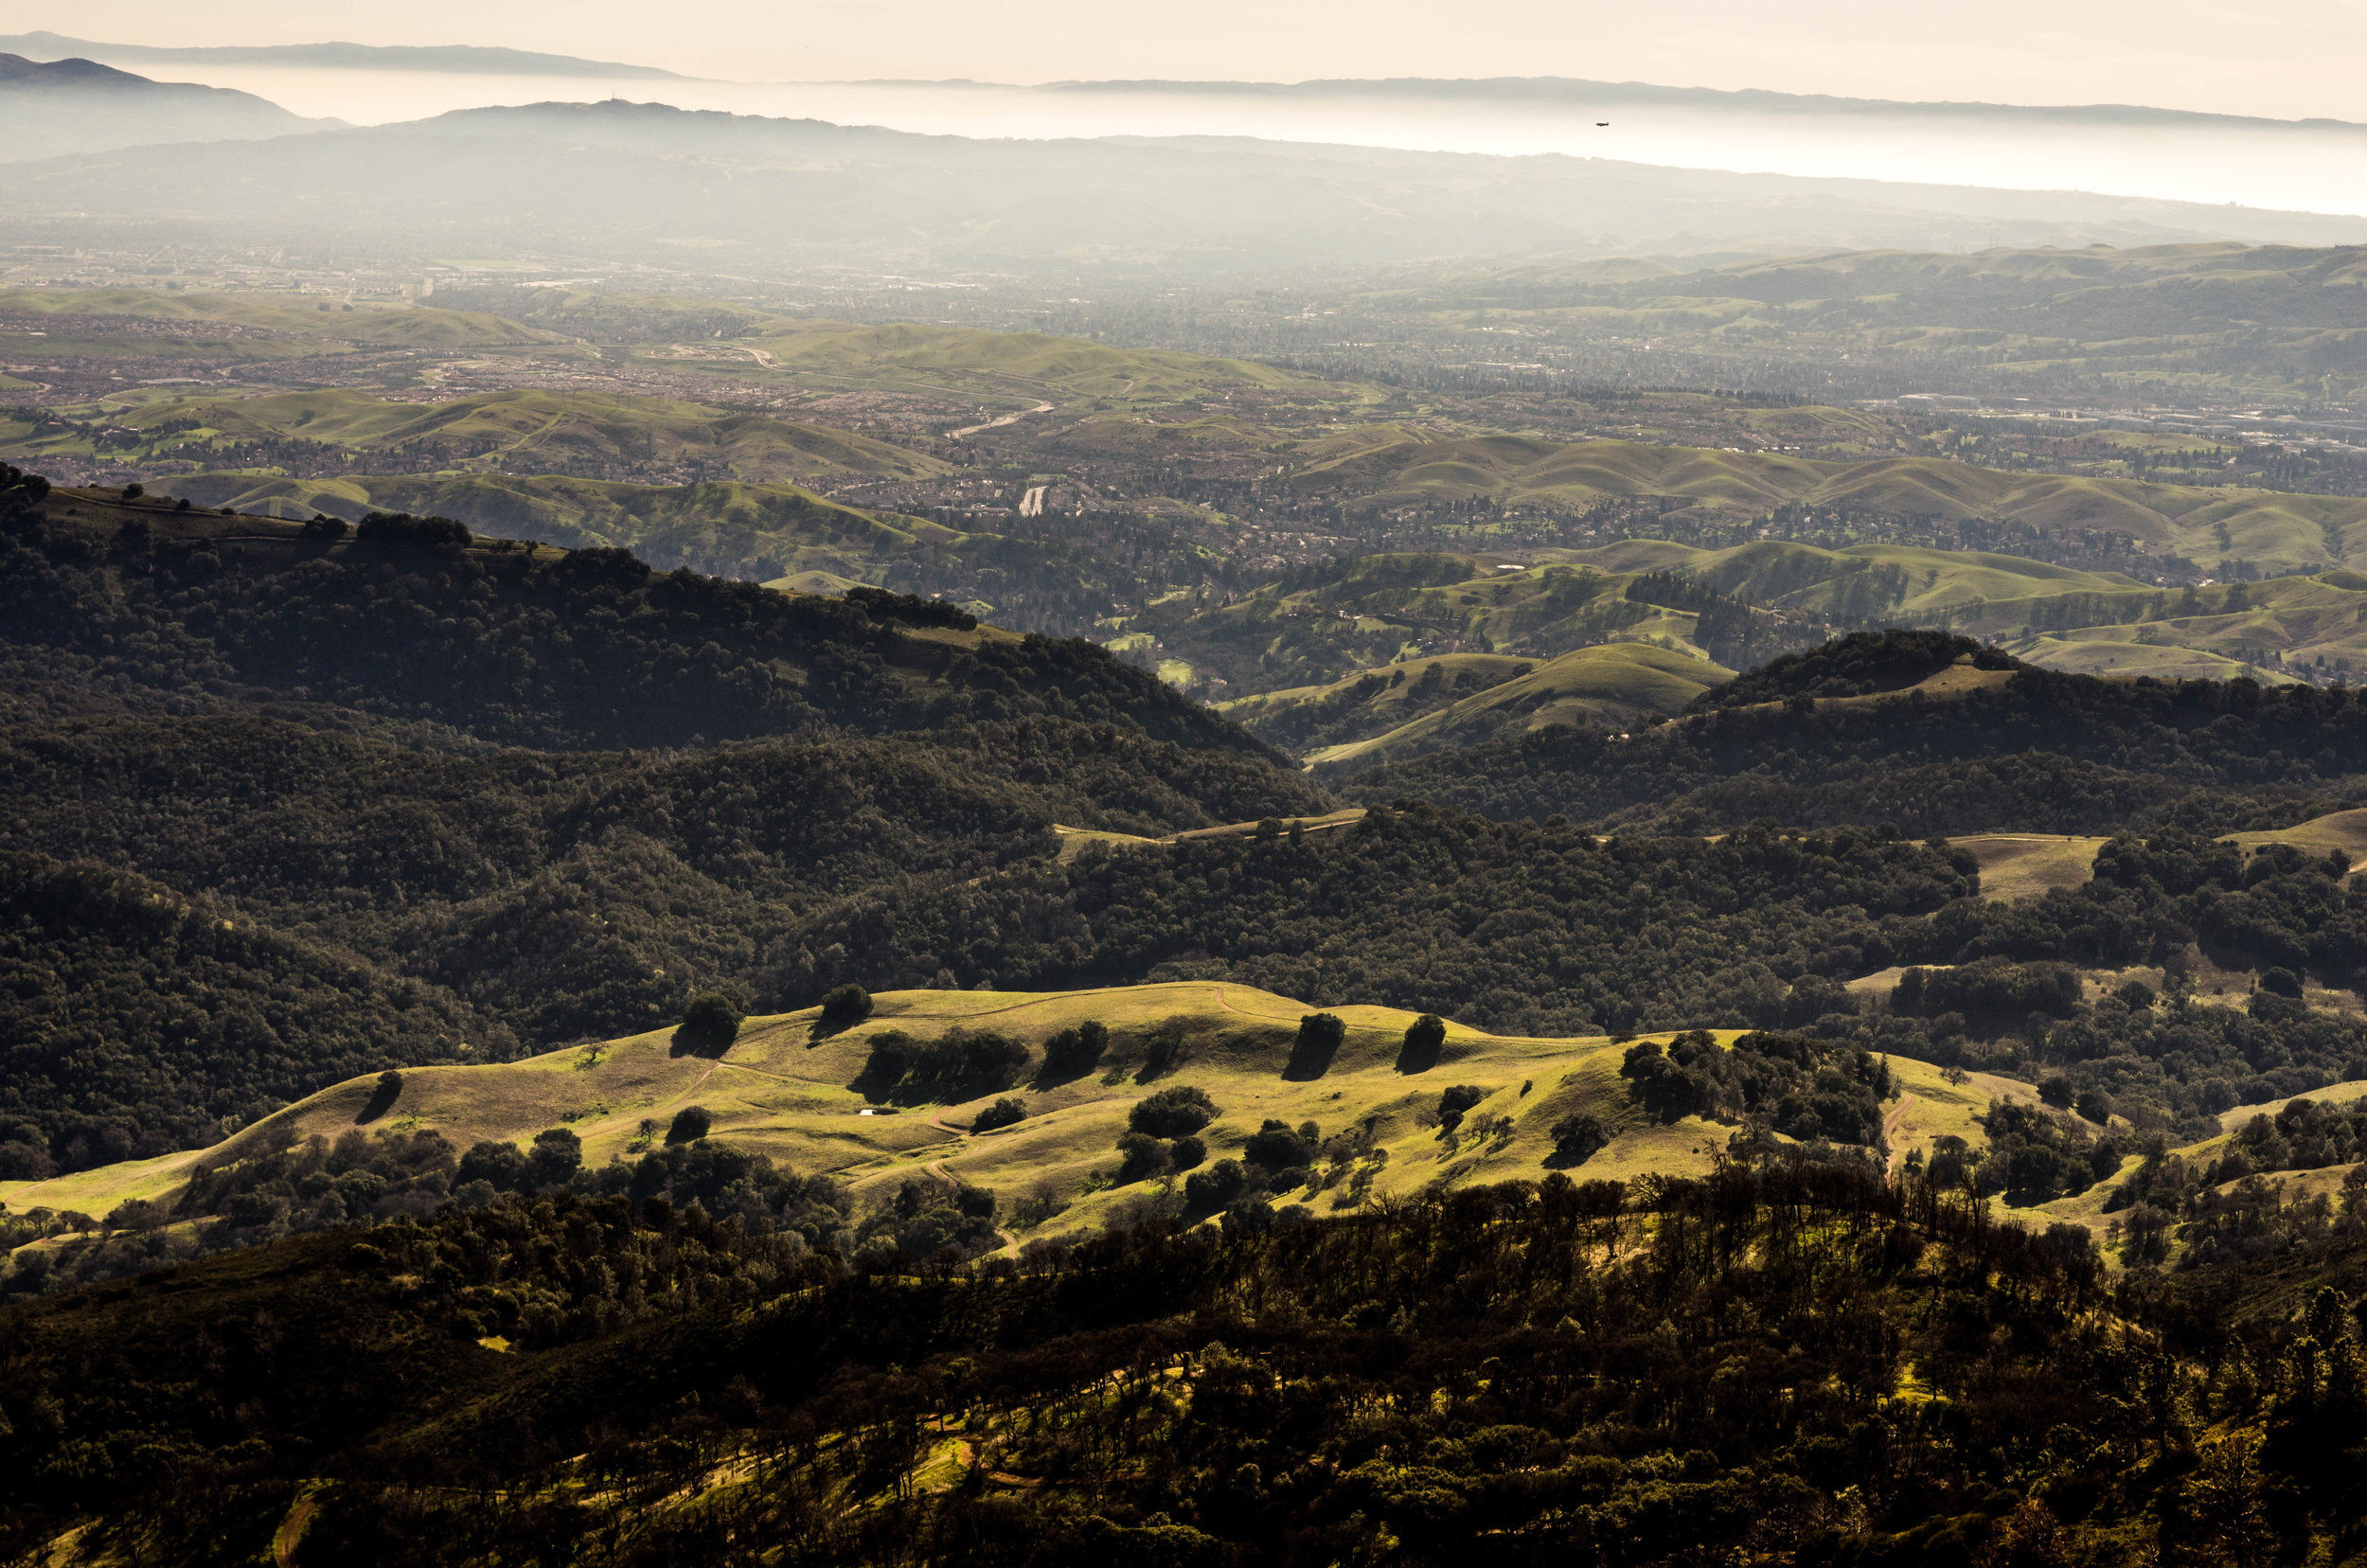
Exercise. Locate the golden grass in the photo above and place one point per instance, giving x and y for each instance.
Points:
(2343, 830)
(783, 1088)
(2021, 866)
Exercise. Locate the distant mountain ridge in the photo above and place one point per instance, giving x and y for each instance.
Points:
(463, 59)
(636, 180)
(62, 107)
(1578, 91)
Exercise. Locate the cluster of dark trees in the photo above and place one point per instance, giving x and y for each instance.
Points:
(1512, 926)
(282, 1186)
(1795, 1084)
(2044, 752)
(1671, 1372)
(2032, 1155)
(959, 1064)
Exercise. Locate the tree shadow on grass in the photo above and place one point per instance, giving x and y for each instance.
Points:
(381, 1098)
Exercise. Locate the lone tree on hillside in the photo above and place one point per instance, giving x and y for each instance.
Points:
(1006, 1112)
(1578, 1137)
(1424, 1038)
(690, 1124)
(382, 1098)
(846, 1005)
(1073, 1052)
(1318, 1039)
(709, 1024)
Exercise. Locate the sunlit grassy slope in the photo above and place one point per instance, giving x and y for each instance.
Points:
(1609, 684)
(786, 1089)
(2019, 866)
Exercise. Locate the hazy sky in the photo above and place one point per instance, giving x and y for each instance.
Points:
(2280, 57)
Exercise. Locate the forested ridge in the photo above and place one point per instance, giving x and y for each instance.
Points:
(398, 759)
(2039, 751)
(1796, 1362)
(531, 896)
(521, 897)
(415, 617)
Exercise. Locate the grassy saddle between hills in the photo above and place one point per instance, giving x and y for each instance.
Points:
(792, 1088)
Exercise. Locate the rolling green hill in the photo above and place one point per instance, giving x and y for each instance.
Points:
(115, 322)
(1607, 687)
(2101, 623)
(586, 434)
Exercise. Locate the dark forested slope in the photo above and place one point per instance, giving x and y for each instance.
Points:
(394, 760)
(1797, 1364)
(415, 617)
(1839, 735)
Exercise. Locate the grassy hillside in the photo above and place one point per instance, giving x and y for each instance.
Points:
(792, 1088)
(1609, 687)
(1434, 629)
(116, 322)
(2098, 623)
(584, 434)
(2276, 531)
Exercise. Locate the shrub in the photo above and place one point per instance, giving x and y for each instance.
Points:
(1172, 1112)
(846, 1005)
(1006, 1112)
(1216, 1186)
(1424, 1038)
(1453, 1102)
(690, 1124)
(133, 492)
(1187, 1151)
(1276, 1146)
